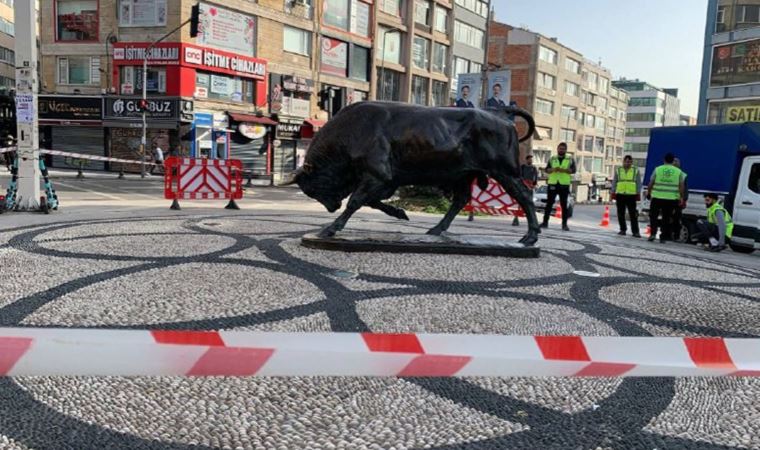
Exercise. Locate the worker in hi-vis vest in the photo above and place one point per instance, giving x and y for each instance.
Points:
(626, 192)
(560, 169)
(718, 228)
(666, 190)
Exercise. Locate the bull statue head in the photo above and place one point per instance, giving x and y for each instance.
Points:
(321, 185)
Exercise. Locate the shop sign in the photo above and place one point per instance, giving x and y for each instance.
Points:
(127, 108)
(252, 130)
(201, 92)
(205, 120)
(741, 114)
(221, 85)
(218, 61)
(162, 54)
(297, 84)
(275, 93)
(221, 121)
(226, 30)
(127, 89)
(334, 57)
(289, 130)
(70, 108)
(737, 63)
(295, 107)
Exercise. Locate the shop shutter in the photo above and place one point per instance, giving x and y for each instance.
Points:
(252, 152)
(78, 140)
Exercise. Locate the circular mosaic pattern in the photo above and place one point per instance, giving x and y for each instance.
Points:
(249, 273)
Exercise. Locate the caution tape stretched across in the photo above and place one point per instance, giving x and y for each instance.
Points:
(77, 352)
(44, 151)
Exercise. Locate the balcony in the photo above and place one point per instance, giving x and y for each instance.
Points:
(299, 8)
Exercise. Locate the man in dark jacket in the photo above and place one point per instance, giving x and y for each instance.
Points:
(529, 174)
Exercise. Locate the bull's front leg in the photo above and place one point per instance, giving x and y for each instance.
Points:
(462, 194)
(368, 192)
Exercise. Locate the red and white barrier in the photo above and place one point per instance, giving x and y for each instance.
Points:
(74, 352)
(197, 179)
(494, 200)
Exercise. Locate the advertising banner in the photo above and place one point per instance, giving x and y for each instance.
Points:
(499, 87)
(334, 57)
(226, 30)
(468, 93)
(736, 64)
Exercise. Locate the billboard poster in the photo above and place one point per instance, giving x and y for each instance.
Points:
(334, 57)
(468, 90)
(227, 30)
(499, 87)
(736, 64)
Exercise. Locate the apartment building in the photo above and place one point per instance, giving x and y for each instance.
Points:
(730, 87)
(7, 46)
(570, 98)
(470, 31)
(648, 107)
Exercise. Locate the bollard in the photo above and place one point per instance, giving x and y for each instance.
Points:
(232, 204)
(175, 205)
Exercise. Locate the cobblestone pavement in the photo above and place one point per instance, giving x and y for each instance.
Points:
(246, 271)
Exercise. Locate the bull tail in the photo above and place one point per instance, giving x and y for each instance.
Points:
(514, 110)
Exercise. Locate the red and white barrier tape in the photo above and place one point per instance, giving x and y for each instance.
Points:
(44, 151)
(76, 352)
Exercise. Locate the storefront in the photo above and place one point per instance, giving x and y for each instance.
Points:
(72, 124)
(251, 142)
(290, 101)
(123, 121)
(732, 111)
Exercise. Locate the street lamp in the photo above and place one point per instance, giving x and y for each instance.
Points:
(382, 59)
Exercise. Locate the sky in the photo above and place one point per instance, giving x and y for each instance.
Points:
(658, 41)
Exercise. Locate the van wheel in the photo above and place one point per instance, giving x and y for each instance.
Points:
(741, 249)
(685, 233)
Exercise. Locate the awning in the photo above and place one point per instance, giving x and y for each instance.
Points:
(315, 124)
(250, 118)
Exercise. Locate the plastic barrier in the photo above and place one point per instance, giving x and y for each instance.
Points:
(200, 179)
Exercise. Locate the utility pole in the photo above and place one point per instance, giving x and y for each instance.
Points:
(27, 83)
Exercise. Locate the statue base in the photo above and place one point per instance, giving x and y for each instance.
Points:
(448, 244)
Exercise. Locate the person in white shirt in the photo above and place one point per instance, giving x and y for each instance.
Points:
(158, 158)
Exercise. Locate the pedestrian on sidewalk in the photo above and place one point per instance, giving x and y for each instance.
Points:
(560, 169)
(626, 192)
(529, 174)
(158, 158)
(718, 229)
(666, 190)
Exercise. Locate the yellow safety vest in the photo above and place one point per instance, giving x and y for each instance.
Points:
(711, 211)
(560, 178)
(667, 182)
(626, 182)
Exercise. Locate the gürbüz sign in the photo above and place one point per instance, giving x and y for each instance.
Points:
(128, 108)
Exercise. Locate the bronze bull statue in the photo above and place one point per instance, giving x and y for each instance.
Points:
(370, 149)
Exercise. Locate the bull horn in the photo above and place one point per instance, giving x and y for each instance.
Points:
(290, 180)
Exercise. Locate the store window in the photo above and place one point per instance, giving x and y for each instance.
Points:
(133, 76)
(336, 13)
(419, 90)
(360, 63)
(440, 56)
(388, 85)
(421, 53)
(142, 13)
(441, 19)
(78, 70)
(76, 20)
(422, 12)
(440, 94)
(295, 40)
(389, 45)
(223, 87)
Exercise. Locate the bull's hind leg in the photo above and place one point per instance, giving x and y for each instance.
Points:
(370, 190)
(389, 210)
(462, 195)
(524, 197)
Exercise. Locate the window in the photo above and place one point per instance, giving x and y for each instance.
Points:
(572, 88)
(590, 121)
(475, 67)
(461, 65)
(754, 178)
(720, 19)
(569, 112)
(419, 90)
(547, 81)
(440, 94)
(479, 7)
(359, 63)
(613, 112)
(601, 123)
(7, 55)
(225, 88)
(645, 117)
(581, 118)
(142, 13)
(421, 53)
(467, 34)
(604, 85)
(77, 20)
(638, 132)
(441, 19)
(646, 101)
(295, 40)
(360, 18)
(545, 133)
(544, 107)
(619, 134)
(599, 145)
(747, 14)
(547, 54)
(7, 27)
(389, 45)
(572, 65)
(388, 85)
(134, 76)
(422, 12)
(636, 148)
(592, 81)
(336, 14)
(392, 7)
(7, 2)
(610, 132)
(588, 143)
(78, 70)
(440, 57)
(566, 135)
(601, 102)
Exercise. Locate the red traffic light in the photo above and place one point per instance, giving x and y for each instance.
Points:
(142, 105)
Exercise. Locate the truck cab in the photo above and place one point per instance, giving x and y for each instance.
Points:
(722, 159)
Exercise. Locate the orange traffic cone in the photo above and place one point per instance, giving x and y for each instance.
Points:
(605, 218)
(558, 214)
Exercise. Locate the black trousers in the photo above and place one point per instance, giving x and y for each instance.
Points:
(627, 203)
(706, 230)
(666, 208)
(553, 191)
(677, 215)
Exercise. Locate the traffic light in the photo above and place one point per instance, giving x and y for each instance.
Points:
(195, 17)
(142, 105)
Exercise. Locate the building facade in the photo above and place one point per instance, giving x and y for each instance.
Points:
(7, 46)
(648, 107)
(730, 88)
(468, 55)
(571, 100)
